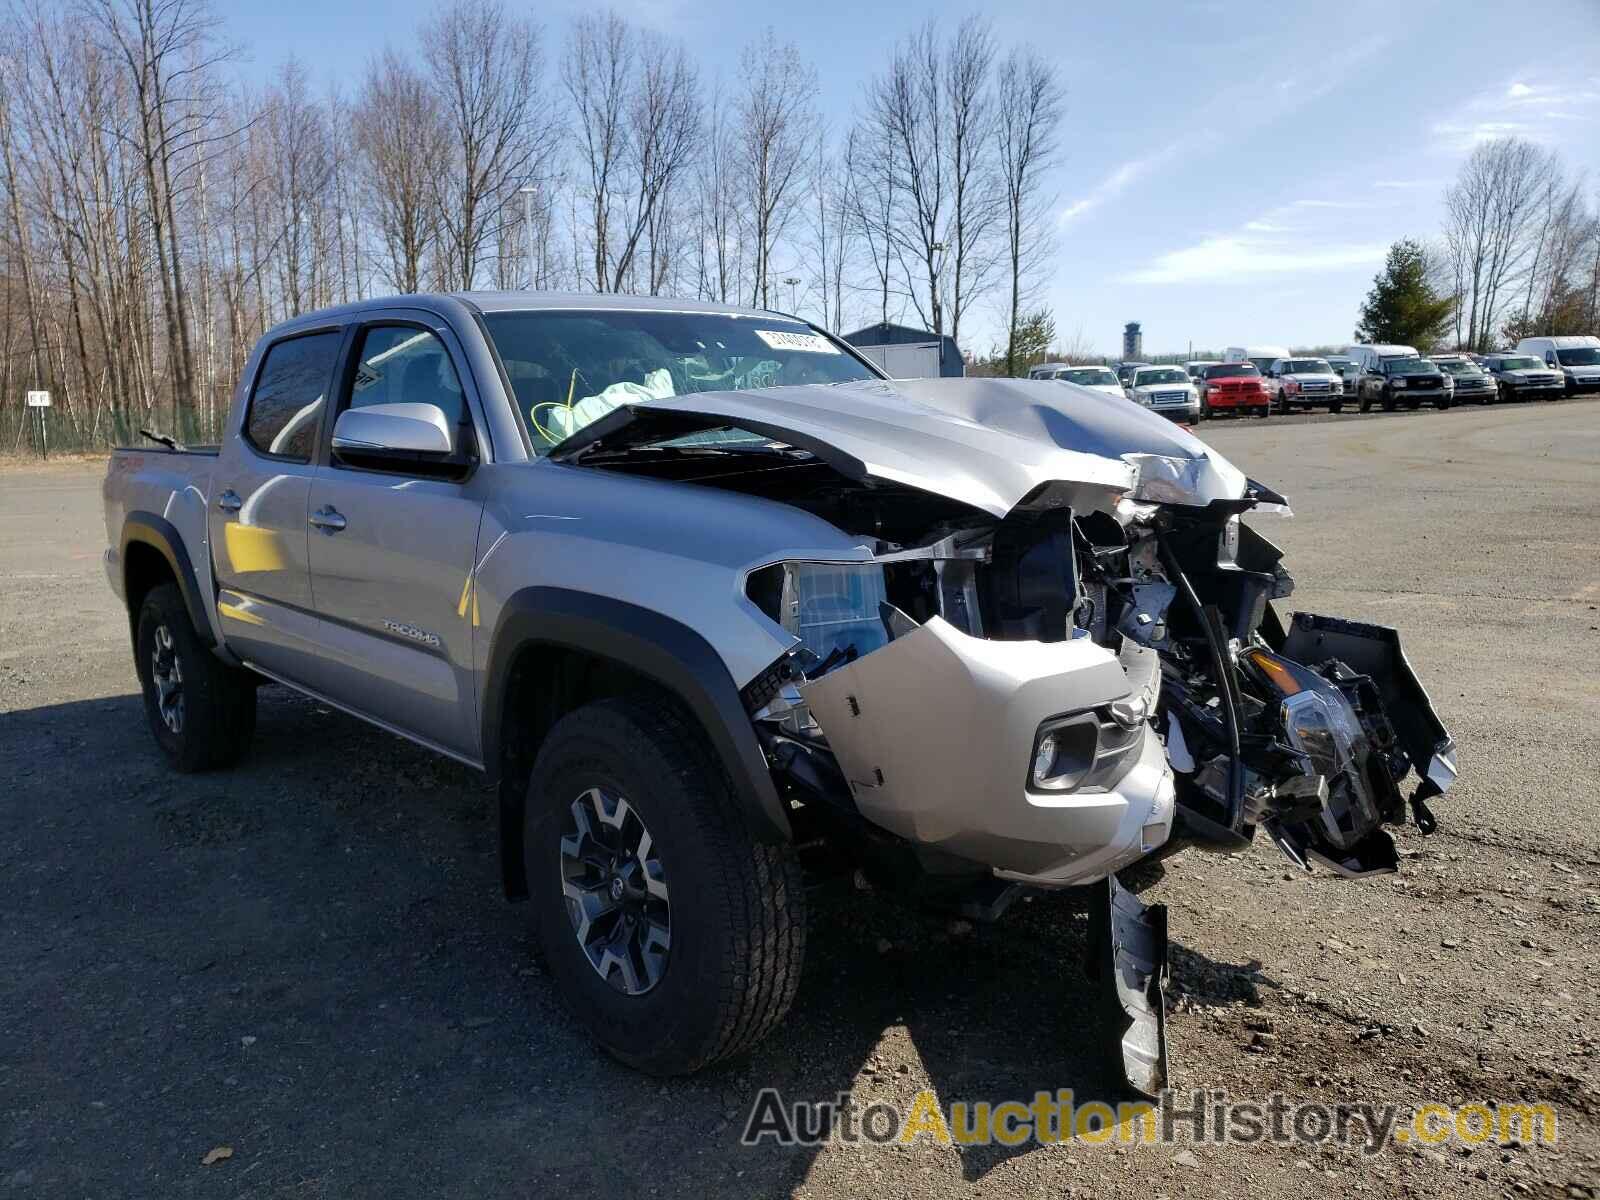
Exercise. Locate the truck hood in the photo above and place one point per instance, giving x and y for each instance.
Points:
(988, 443)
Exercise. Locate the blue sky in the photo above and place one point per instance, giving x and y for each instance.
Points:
(1233, 170)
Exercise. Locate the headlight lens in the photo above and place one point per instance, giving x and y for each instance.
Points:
(1320, 725)
(831, 607)
(1399, 383)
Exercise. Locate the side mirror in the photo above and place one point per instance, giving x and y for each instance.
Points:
(405, 432)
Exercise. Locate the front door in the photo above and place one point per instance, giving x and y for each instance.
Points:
(391, 552)
(259, 494)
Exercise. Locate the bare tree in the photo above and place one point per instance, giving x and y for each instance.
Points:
(717, 215)
(869, 163)
(933, 112)
(402, 138)
(486, 67)
(974, 197)
(775, 136)
(1030, 109)
(832, 230)
(906, 105)
(636, 109)
(167, 48)
(1490, 210)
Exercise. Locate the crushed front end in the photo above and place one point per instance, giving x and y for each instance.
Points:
(1045, 699)
(1057, 694)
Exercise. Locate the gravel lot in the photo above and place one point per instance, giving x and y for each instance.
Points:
(307, 959)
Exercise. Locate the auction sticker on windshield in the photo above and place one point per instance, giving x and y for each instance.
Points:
(811, 343)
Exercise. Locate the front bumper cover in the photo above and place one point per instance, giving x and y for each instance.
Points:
(935, 734)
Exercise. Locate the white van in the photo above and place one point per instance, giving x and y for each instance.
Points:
(1367, 358)
(1576, 356)
(1262, 356)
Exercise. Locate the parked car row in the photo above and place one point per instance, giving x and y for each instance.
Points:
(1260, 380)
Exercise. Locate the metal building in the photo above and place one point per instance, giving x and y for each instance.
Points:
(908, 353)
(1132, 342)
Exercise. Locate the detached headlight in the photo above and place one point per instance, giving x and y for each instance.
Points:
(1320, 724)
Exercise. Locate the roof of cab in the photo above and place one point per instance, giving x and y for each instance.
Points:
(463, 303)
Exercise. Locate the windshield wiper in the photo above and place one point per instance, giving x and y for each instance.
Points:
(162, 439)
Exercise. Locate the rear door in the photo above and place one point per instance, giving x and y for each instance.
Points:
(392, 550)
(257, 521)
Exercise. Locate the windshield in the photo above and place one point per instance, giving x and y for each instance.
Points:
(1159, 375)
(1410, 366)
(1307, 366)
(1584, 356)
(570, 368)
(1520, 362)
(1456, 366)
(1263, 363)
(1089, 376)
(1233, 371)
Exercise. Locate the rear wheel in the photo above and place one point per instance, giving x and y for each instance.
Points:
(201, 711)
(674, 936)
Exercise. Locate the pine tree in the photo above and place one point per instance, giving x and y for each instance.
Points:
(1403, 306)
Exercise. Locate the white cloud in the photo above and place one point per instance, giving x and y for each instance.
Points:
(1542, 111)
(1235, 257)
(1298, 238)
(1222, 112)
(1118, 181)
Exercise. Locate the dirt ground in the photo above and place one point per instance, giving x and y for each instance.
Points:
(307, 959)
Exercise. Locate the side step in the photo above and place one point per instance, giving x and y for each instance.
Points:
(1127, 954)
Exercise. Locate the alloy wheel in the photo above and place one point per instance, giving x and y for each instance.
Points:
(167, 675)
(616, 891)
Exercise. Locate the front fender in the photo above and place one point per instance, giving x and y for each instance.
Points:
(663, 650)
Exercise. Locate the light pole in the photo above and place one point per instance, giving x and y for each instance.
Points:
(529, 191)
(793, 281)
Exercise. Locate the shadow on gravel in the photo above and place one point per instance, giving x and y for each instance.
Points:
(307, 958)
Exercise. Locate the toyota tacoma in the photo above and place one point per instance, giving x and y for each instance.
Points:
(699, 588)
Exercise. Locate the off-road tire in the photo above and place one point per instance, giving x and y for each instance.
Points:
(218, 714)
(737, 905)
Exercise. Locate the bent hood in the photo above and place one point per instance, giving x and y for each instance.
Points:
(988, 443)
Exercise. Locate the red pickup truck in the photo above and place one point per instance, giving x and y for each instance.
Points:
(1237, 387)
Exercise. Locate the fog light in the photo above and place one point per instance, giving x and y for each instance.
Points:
(1064, 753)
(1044, 757)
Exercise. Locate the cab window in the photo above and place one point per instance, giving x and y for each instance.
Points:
(402, 364)
(291, 387)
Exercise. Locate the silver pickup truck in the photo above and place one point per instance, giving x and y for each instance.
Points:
(702, 591)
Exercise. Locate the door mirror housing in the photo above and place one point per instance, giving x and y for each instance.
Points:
(395, 428)
(408, 436)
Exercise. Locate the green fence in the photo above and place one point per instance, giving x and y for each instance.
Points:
(20, 434)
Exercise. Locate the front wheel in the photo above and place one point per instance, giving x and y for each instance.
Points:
(201, 711)
(1388, 402)
(1337, 406)
(1444, 405)
(673, 935)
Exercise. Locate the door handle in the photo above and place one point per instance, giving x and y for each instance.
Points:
(327, 518)
(229, 501)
